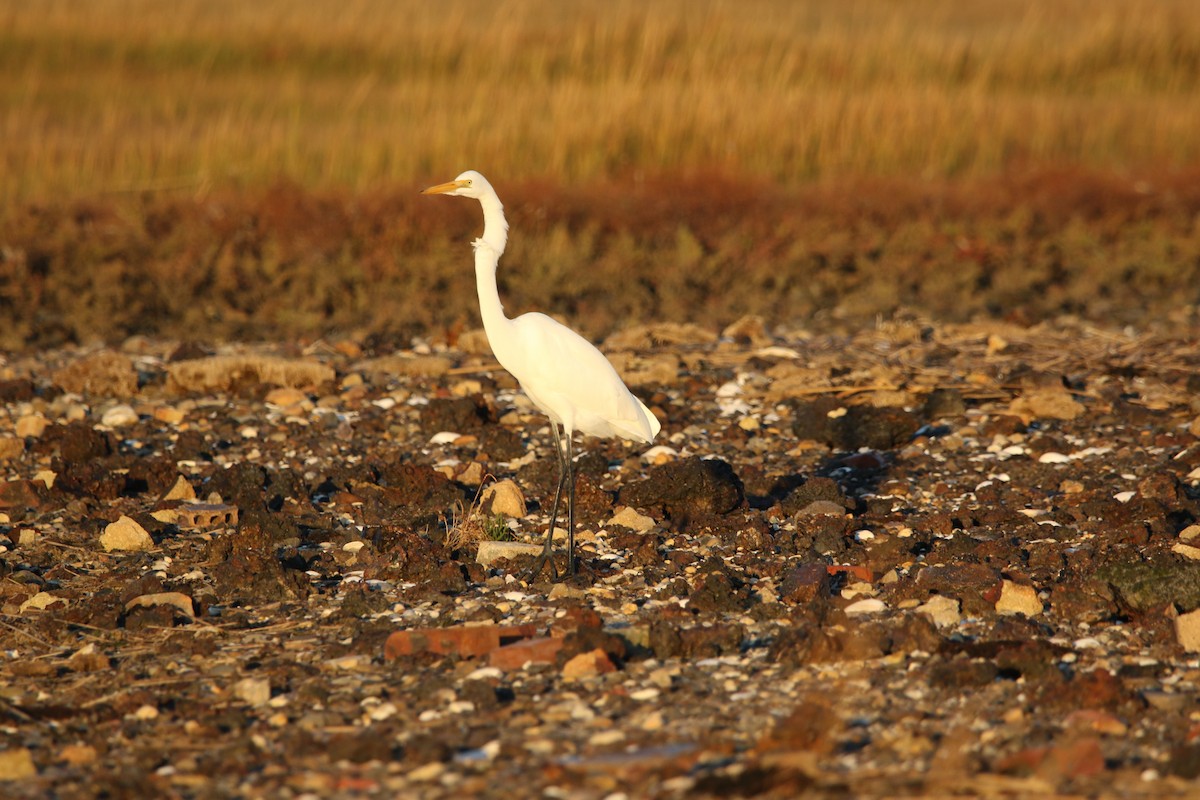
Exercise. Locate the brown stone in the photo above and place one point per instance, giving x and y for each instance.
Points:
(465, 641)
(541, 650)
(21, 494)
(587, 665)
(805, 584)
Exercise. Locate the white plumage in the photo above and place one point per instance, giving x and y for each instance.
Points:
(562, 373)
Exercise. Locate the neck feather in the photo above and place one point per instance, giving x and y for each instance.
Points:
(495, 226)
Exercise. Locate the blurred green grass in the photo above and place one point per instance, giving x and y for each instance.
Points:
(132, 95)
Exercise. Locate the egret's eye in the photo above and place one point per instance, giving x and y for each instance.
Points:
(468, 182)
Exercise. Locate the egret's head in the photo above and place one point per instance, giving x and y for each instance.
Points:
(468, 184)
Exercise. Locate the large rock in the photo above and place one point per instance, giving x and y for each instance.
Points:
(126, 535)
(222, 373)
(505, 498)
(850, 428)
(102, 374)
(1016, 598)
(687, 488)
(1144, 586)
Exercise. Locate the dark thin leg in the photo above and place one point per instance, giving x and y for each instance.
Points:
(570, 506)
(547, 555)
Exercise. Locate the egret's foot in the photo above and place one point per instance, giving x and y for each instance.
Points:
(545, 559)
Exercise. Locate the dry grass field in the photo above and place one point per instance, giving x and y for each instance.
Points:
(247, 169)
(114, 95)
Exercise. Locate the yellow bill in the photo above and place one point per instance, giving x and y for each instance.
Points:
(442, 188)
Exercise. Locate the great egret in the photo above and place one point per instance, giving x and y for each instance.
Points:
(563, 373)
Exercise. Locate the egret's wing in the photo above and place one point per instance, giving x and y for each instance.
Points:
(570, 379)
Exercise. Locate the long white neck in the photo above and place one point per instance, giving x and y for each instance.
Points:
(495, 226)
(488, 250)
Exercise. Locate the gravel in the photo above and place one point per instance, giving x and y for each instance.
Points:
(915, 560)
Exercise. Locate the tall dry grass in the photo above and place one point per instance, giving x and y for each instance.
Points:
(115, 95)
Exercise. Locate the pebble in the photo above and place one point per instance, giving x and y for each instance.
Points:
(660, 454)
(539, 747)
(42, 601)
(254, 691)
(11, 447)
(869, 606)
(562, 591)
(1046, 404)
(169, 415)
(1053, 458)
(629, 518)
(587, 665)
(1187, 631)
(126, 535)
(466, 388)
(87, 659)
(182, 490)
(287, 397)
(858, 589)
(472, 475)
(177, 600)
(1187, 551)
(146, 712)
(606, 738)
(663, 677)
(16, 763)
(31, 425)
(349, 663)
(427, 772)
(485, 673)
(819, 507)
(77, 755)
(1189, 533)
(1096, 721)
(119, 416)
(941, 610)
(1017, 598)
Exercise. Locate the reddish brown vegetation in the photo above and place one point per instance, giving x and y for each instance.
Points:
(285, 262)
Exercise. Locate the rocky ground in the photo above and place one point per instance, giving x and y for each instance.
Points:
(918, 559)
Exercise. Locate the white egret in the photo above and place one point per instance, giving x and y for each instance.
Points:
(564, 374)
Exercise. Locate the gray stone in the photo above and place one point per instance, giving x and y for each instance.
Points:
(490, 552)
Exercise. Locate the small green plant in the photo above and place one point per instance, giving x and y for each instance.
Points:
(496, 529)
